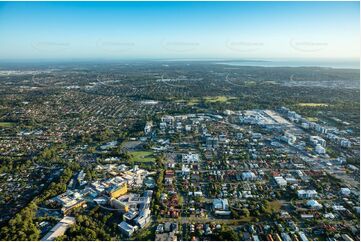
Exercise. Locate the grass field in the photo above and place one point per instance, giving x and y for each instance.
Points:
(6, 124)
(313, 104)
(192, 101)
(312, 119)
(189, 102)
(220, 99)
(208, 99)
(142, 156)
(250, 83)
(274, 206)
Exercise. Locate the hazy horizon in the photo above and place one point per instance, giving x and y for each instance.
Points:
(326, 63)
(179, 30)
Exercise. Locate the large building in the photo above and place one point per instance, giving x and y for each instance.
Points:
(248, 176)
(190, 158)
(143, 219)
(59, 229)
(126, 229)
(316, 140)
(314, 204)
(69, 200)
(148, 127)
(221, 207)
(116, 191)
(303, 194)
(319, 149)
(281, 182)
(123, 207)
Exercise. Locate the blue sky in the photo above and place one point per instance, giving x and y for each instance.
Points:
(121, 30)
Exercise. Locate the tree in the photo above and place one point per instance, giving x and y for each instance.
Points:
(235, 213)
(227, 234)
(22, 226)
(245, 212)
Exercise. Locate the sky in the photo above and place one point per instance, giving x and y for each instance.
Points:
(171, 30)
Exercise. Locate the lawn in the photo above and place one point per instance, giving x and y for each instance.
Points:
(6, 124)
(313, 104)
(220, 99)
(250, 83)
(208, 99)
(193, 101)
(274, 206)
(142, 156)
(312, 119)
(189, 102)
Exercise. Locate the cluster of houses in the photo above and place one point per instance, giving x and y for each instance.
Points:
(166, 232)
(169, 197)
(274, 177)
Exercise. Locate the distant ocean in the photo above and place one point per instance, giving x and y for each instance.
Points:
(349, 64)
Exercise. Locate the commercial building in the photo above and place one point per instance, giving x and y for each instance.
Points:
(316, 140)
(306, 194)
(69, 200)
(303, 237)
(116, 191)
(123, 207)
(281, 182)
(143, 219)
(221, 207)
(190, 158)
(126, 229)
(130, 215)
(320, 150)
(345, 143)
(248, 176)
(148, 128)
(345, 191)
(314, 204)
